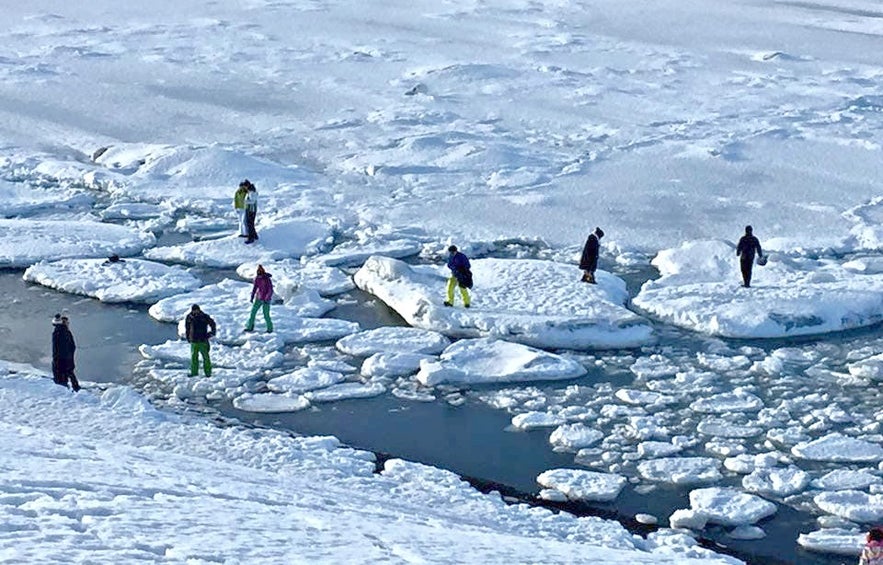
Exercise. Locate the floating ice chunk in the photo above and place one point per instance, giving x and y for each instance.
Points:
(870, 368)
(391, 339)
(534, 420)
(865, 265)
(270, 403)
(559, 312)
(292, 276)
(727, 402)
(839, 448)
(393, 365)
(552, 495)
(730, 507)
(680, 470)
(129, 280)
(788, 437)
(25, 242)
(722, 447)
(719, 427)
(687, 518)
(648, 519)
(644, 398)
(20, 199)
(775, 481)
(652, 449)
(496, 361)
(304, 380)
(747, 533)
(352, 254)
(579, 484)
(346, 391)
(699, 290)
(573, 437)
(747, 463)
(851, 504)
(846, 479)
(292, 238)
(653, 367)
(134, 211)
(251, 357)
(833, 540)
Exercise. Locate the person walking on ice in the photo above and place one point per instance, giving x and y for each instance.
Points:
(261, 296)
(199, 327)
(63, 349)
(251, 212)
(461, 275)
(748, 247)
(588, 262)
(239, 206)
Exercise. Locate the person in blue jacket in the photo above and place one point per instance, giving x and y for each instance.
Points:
(461, 275)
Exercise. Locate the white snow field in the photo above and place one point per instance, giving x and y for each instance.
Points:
(26, 242)
(538, 303)
(700, 289)
(103, 476)
(127, 280)
(510, 128)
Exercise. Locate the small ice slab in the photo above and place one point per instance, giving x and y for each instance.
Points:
(720, 427)
(305, 379)
(250, 357)
(25, 242)
(846, 479)
(346, 391)
(853, 505)
(283, 240)
(776, 481)
(351, 254)
(573, 437)
(21, 199)
(870, 368)
(291, 276)
(536, 420)
(579, 484)
(496, 361)
(653, 449)
(833, 540)
(391, 339)
(730, 507)
(558, 312)
(727, 402)
(839, 448)
(681, 470)
(393, 365)
(700, 289)
(134, 211)
(128, 280)
(644, 398)
(269, 403)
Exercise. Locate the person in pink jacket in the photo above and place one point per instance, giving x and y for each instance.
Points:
(872, 553)
(261, 295)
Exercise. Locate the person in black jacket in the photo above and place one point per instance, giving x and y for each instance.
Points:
(746, 249)
(63, 349)
(589, 260)
(199, 328)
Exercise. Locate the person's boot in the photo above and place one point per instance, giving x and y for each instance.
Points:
(590, 278)
(448, 303)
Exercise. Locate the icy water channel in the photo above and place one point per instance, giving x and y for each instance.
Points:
(470, 437)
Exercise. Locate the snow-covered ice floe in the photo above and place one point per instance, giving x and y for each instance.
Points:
(282, 240)
(25, 242)
(681, 470)
(700, 289)
(538, 303)
(490, 361)
(730, 507)
(833, 540)
(269, 403)
(579, 484)
(354, 253)
(291, 276)
(840, 448)
(19, 199)
(126, 280)
(251, 356)
(391, 339)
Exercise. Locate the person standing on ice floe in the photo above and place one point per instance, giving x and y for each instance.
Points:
(872, 553)
(746, 249)
(199, 328)
(461, 275)
(261, 295)
(239, 206)
(251, 212)
(63, 349)
(588, 262)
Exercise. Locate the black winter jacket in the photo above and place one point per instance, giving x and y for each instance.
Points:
(197, 325)
(589, 259)
(747, 247)
(63, 349)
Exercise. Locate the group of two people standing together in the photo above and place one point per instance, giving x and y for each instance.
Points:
(245, 202)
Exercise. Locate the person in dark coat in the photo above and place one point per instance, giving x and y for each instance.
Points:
(747, 249)
(63, 350)
(199, 328)
(251, 211)
(461, 275)
(589, 260)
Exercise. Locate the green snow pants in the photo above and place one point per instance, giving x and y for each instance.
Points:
(197, 348)
(265, 306)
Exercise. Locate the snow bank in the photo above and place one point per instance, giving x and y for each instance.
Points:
(700, 289)
(538, 303)
(128, 280)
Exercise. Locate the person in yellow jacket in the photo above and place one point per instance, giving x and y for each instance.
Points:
(239, 206)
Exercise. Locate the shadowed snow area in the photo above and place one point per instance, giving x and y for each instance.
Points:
(539, 303)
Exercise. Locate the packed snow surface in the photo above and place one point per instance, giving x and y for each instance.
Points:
(539, 303)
